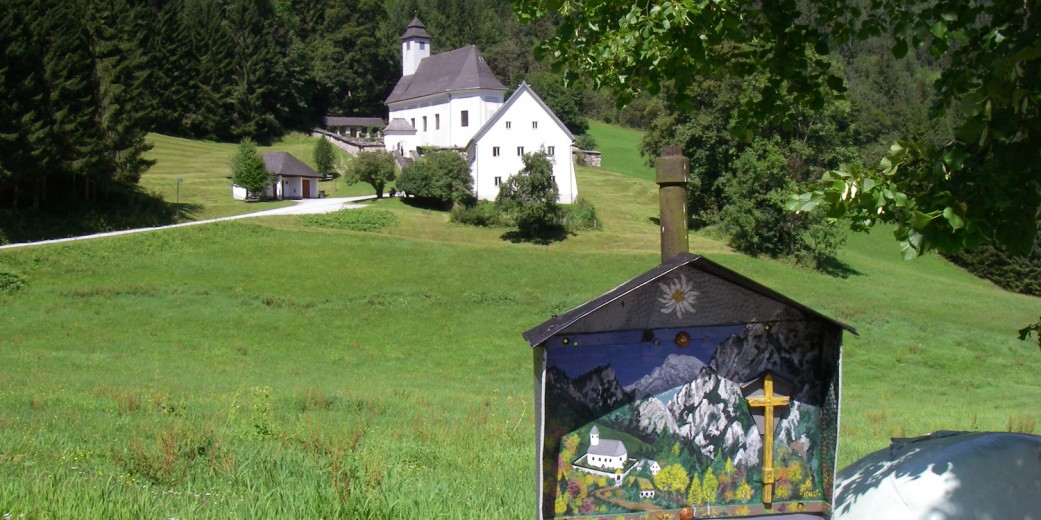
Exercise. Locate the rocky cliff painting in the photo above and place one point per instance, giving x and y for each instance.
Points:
(687, 392)
(690, 438)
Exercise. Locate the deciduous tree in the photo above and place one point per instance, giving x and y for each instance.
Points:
(530, 196)
(374, 167)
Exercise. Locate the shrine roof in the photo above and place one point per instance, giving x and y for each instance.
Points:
(284, 164)
(611, 305)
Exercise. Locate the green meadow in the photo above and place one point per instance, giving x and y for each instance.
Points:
(265, 367)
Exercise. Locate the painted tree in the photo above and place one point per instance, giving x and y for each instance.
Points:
(672, 479)
(709, 487)
(248, 171)
(694, 495)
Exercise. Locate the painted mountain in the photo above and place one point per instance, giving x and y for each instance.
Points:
(591, 395)
(707, 412)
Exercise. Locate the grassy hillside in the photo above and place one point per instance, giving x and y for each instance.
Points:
(205, 167)
(620, 149)
(243, 368)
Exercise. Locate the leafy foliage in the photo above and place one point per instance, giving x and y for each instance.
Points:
(324, 157)
(585, 142)
(375, 167)
(248, 170)
(482, 214)
(530, 196)
(353, 219)
(441, 178)
(581, 215)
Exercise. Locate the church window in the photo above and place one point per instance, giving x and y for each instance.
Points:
(422, 45)
(465, 118)
(509, 124)
(437, 121)
(498, 181)
(551, 151)
(534, 124)
(413, 122)
(495, 153)
(520, 150)
(424, 123)
(408, 45)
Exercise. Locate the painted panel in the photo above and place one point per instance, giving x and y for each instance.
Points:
(657, 423)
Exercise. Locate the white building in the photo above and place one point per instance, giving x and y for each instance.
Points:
(453, 100)
(605, 453)
(291, 179)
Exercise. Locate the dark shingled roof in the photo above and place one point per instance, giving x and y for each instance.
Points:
(353, 121)
(461, 69)
(415, 29)
(284, 164)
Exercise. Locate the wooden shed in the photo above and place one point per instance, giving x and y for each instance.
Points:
(730, 388)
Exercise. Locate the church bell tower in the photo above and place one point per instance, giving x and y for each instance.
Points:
(415, 45)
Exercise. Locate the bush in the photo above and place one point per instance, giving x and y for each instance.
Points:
(10, 283)
(585, 142)
(441, 178)
(353, 219)
(755, 217)
(530, 197)
(483, 214)
(581, 216)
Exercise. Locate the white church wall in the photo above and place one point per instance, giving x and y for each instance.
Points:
(524, 128)
(443, 126)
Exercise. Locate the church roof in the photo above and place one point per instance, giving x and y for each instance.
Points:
(461, 69)
(399, 125)
(415, 29)
(608, 448)
(284, 164)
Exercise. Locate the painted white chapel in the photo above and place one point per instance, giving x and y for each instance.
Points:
(453, 100)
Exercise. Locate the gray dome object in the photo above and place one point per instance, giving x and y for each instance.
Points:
(945, 476)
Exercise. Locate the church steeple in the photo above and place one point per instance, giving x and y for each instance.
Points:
(415, 45)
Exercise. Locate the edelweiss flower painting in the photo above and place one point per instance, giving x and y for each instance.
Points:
(678, 296)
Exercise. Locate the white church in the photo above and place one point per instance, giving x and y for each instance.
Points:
(453, 100)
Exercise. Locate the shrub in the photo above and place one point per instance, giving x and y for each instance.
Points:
(530, 197)
(441, 178)
(581, 216)
(483, 214)
(353, 219)
(585, 142)
(10, 283)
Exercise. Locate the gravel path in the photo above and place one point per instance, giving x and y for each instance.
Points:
(302, 207)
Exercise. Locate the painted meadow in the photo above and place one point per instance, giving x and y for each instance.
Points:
(273, 367)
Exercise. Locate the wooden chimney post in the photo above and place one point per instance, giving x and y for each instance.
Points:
(672, 174)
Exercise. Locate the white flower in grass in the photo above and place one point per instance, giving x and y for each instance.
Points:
(678, 296)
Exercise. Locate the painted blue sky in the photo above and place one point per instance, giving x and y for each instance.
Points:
(630, 357)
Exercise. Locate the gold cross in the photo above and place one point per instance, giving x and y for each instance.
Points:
(768, 401)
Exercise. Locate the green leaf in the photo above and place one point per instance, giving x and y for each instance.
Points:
(900, 49)
(920, 220)
(953, 218)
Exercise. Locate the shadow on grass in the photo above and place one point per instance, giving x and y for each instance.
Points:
(122, 207)
(543, 237)
(835, 268)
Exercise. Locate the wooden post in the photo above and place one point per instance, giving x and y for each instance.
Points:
(671, 174)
